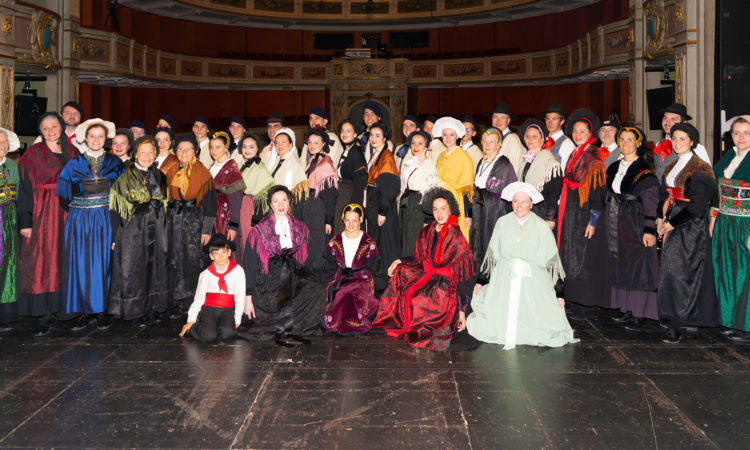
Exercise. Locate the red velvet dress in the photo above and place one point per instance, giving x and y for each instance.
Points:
(422, 300)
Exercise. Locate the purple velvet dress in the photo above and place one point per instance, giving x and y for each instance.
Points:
(350, 296)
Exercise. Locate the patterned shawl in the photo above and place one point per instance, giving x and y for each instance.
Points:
(323, 175)
(264, 240)
(190, 182)
(132, 189)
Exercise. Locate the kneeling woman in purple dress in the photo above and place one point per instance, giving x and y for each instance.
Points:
(350, 295)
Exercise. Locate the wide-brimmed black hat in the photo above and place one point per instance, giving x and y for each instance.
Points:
(583, 114)
(219, 240)
(502, 108)
(536, 123)
(276, 117)
(676, 108)
(691, 131)
(554, 107)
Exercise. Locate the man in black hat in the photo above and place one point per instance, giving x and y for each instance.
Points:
(409, 125)
(138, 129)
(219, 300)
(607, 132)
(554, 118)
(72, 114)
(201, 129)
(268, 155)
(663, 154)
(318, 120)
(512, 147)
(237, 127)
(468, 142)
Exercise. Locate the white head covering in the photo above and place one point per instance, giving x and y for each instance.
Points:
(13, 143)
(728, 125)
(289, 132)
(448, 122)
(81, 129)
(518, 186)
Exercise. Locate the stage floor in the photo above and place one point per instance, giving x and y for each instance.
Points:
(127, 387)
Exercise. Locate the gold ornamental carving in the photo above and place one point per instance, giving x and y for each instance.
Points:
(8, 25)
(679, 13)
(7, 81)
(678, 74)
(368, 69)
(76, 46)
(42, 34)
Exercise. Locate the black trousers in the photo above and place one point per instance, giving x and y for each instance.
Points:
(213, 323)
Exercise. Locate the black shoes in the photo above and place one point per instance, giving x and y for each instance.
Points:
(739, 336)
(626, 317)
(636, 324)
(5, 329)
(673, 336)
(176, 312)
(578, 312)
(103, 321)
(84, 320)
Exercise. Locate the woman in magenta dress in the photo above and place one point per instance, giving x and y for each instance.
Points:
(350, 294)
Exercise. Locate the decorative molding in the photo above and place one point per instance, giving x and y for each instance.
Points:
(8, 25)
(42, 34)
(656, 26)
(7, 75)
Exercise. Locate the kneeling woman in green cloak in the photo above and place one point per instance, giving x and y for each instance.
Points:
(517, 296)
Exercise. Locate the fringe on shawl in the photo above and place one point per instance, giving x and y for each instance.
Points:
(301, 192)
(595, 177)
(555, 269)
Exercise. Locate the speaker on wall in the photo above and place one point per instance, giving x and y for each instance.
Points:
(28, 109)
(657, 99)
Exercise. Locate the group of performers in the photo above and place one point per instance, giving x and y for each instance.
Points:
(452, 238)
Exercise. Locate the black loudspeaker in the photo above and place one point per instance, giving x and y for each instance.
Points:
(371, 40)
(733, 62)
(28, 110)
(658, 99)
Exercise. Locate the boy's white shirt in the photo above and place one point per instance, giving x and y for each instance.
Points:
(207, 282)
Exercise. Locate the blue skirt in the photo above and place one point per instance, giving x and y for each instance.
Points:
(88, 243)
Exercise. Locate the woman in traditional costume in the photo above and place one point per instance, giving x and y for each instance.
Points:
(318, 203)
(381, 208)
(258, 181)
(517, 299)
(351, 170)
(122, 145)
(289, 170)
(455, 168)
(427, 295)
(229, 186)
(84, 185)
(540, 169)
(493, 172)
(418, 175)
(41, 220)
(138, 203)
(583, 245)
(631, 232)
(731, 233)
(686, 294)
(350, 293)
(285, 301)
(9, 179)
(191, 214)
(164, 137)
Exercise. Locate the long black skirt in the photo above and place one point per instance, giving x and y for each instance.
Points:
(412, 220)
(686, 293)
(288, 299)
(139, 283)
(186, 258)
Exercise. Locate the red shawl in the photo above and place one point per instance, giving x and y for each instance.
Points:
(323, 175)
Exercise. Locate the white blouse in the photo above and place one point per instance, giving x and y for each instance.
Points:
(735, 163)
(679, 165)
(350, 248)
(622, 169)
(480, 179)
(216, 167)
(283, 231)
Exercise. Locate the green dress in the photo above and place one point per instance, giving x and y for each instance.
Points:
(9, 244)
(729, 244)
(519, 305)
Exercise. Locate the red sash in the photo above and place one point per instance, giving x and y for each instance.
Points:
(218, 300)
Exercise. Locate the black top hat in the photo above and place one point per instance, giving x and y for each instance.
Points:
(219, 240)
(676, 108)
(611, 121)
(554, 107)
(502, 108)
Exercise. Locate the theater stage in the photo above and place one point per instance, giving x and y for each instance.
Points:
(127, 387)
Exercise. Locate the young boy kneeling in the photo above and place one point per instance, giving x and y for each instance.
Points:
(220, 296)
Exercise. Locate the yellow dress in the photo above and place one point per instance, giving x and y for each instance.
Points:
(456, 172)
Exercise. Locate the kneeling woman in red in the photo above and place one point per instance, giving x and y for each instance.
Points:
(350, 298)
(426, 296)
